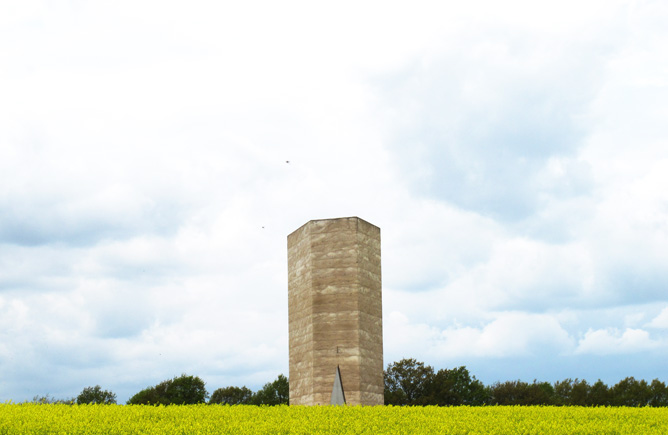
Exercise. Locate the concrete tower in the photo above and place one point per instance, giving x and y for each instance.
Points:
(335, 313)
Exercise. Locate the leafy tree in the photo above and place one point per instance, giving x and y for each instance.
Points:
(150, 396)
(659, 394)
(508, 393)
(562, 392)
(232, 396)
(630, 392)
(599, 394)
(571, 392)
(408, 382)
(581, 393)
(96, 395)
(181, 390)
(539, 393)
(457, 387)
(273, 393)
(187, 390)
(522, 393)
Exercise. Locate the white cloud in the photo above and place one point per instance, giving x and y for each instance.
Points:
(614, 341)
(660, 321)
(509, 334)
(477, 121)
(442, 284)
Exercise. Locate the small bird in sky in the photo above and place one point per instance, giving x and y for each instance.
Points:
(287, 161)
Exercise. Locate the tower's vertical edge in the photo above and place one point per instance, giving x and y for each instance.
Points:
(370, 314)
(335, 311)
(300, 317)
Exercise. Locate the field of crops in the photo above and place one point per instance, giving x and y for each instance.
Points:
(207, 419)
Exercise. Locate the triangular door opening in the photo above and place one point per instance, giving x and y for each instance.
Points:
(338, 398)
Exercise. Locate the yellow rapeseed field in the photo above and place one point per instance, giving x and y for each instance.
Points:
(32, 418)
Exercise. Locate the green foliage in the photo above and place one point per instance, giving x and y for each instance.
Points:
(96, 395)
(522, 393)
(232, 396)
(187, 390)
(658, 393)
(149, 396)
(582, 393)
(181, 390)
(540, 393)
(571, 392)
(273, 393)
(509, 393)
(408, 382)
(457, 387)
(562, 392)
(599, 395)
(630, 392)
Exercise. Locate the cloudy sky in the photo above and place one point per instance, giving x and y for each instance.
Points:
(154, 156)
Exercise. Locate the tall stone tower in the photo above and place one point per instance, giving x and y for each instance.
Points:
(335, 313)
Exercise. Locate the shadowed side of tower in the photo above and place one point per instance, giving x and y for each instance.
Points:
(335, 312)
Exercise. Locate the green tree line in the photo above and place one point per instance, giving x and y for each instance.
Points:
(186, 390)
(183, 390)
(410, 382)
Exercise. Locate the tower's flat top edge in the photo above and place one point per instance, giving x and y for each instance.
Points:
(337, 219)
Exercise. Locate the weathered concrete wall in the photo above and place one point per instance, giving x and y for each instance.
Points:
(335, 311)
